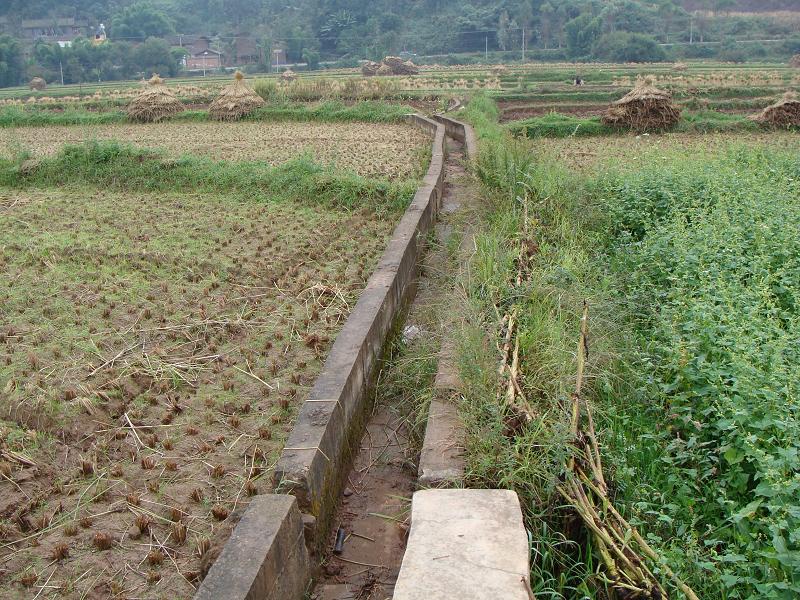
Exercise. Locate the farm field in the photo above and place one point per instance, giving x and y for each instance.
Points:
(168, 295)
(535, 85)
(154, 349)
(633, 152)
(392, 151)
(685, 248)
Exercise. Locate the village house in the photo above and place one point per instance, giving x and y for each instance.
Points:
(61, 29)
(202, 57)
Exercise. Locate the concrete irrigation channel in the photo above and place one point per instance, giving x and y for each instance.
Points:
(347, 467)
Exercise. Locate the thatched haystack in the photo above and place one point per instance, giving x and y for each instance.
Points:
(645, 107)
(784, 113)
(391, 65)
(288, 75)
(235, 101)
(370, 68)
(795, 61)
(38, 84)
(400, 66)
(155, 102)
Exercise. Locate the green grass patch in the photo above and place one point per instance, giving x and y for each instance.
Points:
(332, 112)
(119, 166)
(559, 125)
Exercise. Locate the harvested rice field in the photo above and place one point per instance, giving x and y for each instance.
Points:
(631, 152)
(391, 151)
(153, 351)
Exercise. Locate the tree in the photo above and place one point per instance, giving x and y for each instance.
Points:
(155, 56)
(627, 15)
(505, 31)
(582, 31)
(668, 12)
(718, 6)
(547, 20)
(622, 46)
(12, 69)
(312, 58)
(140, 21)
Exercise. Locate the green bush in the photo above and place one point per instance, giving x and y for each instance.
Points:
(708, 253)
(622, 47)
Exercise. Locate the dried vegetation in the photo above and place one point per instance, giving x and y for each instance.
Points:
(153, 351)
(392, 151)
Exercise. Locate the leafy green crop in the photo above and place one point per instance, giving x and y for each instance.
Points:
(709, 255)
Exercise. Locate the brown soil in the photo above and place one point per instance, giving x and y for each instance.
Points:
(153, 350)
(374, 514)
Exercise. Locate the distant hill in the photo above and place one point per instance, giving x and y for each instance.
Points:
(752, 6)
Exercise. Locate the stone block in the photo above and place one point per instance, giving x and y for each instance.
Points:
(465, 544)
(265, 557)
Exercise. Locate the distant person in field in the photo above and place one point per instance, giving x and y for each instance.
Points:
(578, 80)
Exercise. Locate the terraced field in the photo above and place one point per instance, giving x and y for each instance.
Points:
(392, 151)
(160, 323)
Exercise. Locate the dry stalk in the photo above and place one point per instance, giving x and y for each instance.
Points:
(619, 544)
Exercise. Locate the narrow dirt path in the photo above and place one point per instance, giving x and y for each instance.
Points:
(374, 512)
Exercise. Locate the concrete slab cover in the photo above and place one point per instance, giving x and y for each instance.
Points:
(265, 557)
(447, 374)
(441, 461)
(465, 544)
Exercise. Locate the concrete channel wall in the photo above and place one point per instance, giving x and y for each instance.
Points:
(461, 132)
(308, 476)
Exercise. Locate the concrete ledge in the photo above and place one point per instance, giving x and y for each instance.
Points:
(465, 544)
(461, 132)
(316, 454)
(265, 557)
(447, 378)
(441, 462)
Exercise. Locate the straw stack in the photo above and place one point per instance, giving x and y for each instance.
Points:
(784, 113)
(37, 83)
(235, 101)
(644, 108)
(155, 103)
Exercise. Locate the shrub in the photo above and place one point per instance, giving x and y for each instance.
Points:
(709, 257)
(628, 47)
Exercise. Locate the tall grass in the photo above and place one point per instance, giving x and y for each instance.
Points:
(323, 88)
(278, 110)
(17, 116)
(520, 185)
